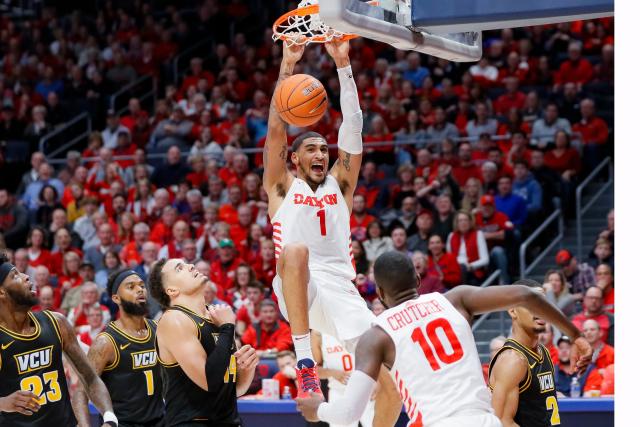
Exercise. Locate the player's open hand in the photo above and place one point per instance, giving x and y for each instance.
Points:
(292, 54)
(24, 402)
(221, 314)
(308, 406)
(581, 353)
(246, 358)
(338, 48)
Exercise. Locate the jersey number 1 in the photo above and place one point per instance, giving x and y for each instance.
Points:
(433, 340)
(323, 222)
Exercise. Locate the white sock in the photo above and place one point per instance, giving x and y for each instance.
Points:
(302, 346)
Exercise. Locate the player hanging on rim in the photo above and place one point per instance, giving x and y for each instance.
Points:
(124, 356)
(427, 343)
(521, 375)
(310, 216)
(33, 387)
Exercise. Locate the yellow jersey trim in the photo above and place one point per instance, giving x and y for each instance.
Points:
(533, 354)
(25, 337)
(132, 338)
(56, 326)
(116, 361)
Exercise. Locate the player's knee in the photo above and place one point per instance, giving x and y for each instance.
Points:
(295, 254)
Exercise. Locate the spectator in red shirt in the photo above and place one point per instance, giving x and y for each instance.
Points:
(372, 188)
(240, 232)
(603, 354)
(248, 313)
(223, 270)
(179, 233)
(161, 232)
(594, 132)
(196, 73)
(593, 309)
(497, 157)
(46, 300)
(575, 69)
(229, 212)
(494, 345)
(269, 334)
(469, 247)
(489, 178)
(466, 168)
(265, 263)
(512, 99)
(89, 296)
(38, 254)
(380, 133)
(360, 219)
(497, 229)
(442, 265)
(87, 333)
(131, 253)
(286, 375)
(604, 280)
(546, 339)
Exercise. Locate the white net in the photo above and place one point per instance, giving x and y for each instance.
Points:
(305, 28)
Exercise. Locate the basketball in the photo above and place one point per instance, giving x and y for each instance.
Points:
(301, 100)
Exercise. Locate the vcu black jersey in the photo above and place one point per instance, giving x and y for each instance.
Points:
(134, 379)
(185, 401)
(538, 405)
(34, 362)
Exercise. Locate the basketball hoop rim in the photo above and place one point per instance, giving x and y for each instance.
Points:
(303, 11)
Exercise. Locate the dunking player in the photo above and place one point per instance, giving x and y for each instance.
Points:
(124, 355)
(33, 388)
(335, 364)
(196, 348)
(426, 341)
(310, 214)
(521, 375)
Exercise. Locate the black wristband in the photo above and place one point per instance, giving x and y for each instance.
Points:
(111, 423)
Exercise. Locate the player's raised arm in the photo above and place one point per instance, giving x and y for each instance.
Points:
(275, 149)
(92, 383)
(347, 168)
(470, 300)
(101, 354)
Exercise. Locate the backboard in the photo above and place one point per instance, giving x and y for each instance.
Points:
(450, 29)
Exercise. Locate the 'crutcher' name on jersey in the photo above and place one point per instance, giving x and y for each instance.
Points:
(436, 369)
(320, 220)
(134, 379)
(538, 403)
(34, 363)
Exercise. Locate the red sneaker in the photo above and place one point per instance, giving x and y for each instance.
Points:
(308, 381)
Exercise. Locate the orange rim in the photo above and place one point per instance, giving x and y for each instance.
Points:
(303, 11)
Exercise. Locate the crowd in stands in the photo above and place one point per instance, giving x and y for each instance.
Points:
(475, 157)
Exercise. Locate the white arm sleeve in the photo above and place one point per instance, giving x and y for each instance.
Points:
(350, 408)
(350, 133)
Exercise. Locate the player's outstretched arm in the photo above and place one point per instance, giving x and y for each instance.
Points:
(92, 383)
(347, 168)
(374, 348)
(177, 333)
(470, 300)
(274, 156)
(101, 354)
(508, 371)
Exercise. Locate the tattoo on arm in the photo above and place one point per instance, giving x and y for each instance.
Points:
(93, 385)
(346, 162)
(283, 152)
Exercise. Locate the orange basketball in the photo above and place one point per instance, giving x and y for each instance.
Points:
(301, 100)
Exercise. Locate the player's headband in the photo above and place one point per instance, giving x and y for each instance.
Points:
(5, 269)
(120, 278)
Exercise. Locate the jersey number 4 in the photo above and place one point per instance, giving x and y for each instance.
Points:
(431, 342)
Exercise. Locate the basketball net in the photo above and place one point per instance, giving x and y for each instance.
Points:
(302, 26)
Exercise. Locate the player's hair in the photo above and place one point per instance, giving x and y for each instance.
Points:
(156, 286)
(112, 279)
(528, 282)
(300, 139)
(257, 285)
(3, 259)
(394, 272)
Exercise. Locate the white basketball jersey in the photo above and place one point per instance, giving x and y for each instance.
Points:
(335, 356)
(436, 369)
(320, 220)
